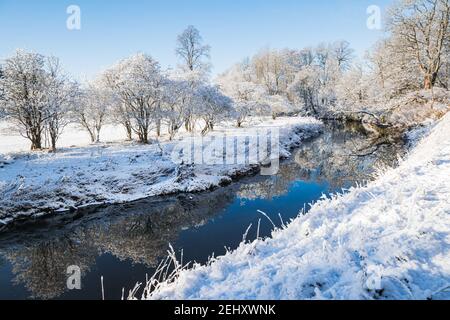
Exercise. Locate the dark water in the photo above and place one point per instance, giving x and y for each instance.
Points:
(124, 243)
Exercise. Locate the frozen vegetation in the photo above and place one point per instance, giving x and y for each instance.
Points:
(387, 240)
(34, 184)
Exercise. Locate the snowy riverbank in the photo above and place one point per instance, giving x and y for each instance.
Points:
(389, 240)
(35, 184)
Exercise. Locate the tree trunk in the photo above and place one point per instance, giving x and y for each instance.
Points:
(143, 136)
(35, 145)
(97, 138)
(129, 131)
(205, 130)
(36, 140)
(209, 126)
(188, 125)
(145, 139)
(430, 80)
(92, 135)
(172, 129)
(158, 128)
(53, 141)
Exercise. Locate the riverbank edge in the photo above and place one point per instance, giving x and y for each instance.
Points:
(386, 240)
(293, 136)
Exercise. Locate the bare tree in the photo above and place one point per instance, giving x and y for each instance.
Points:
(191, 51)
(421, 29)
(270, 70)
(343, 54)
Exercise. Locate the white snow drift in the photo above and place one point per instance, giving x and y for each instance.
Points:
(388, 240)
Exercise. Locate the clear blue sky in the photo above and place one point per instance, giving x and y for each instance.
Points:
(114, 29)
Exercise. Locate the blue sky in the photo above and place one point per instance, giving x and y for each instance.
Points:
(235, 29)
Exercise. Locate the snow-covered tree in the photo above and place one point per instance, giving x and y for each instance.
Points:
(352, 89)
(393, 73)
(280, 105)
(194, 55)
(23, 90)
(61, 95)
(329, 72)
(249, 98)
(421, 30)
(213, 106)
(36, 96)
(194, 68)
(194, 81)
(93, 108)
(304, 90)
(178, 101)
(343, 54)
(270, 70)
(138, 84)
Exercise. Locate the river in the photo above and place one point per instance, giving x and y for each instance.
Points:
(124, 243)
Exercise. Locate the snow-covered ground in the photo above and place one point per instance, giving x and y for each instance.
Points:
(73, 135)
(388, 240)
(33, 184)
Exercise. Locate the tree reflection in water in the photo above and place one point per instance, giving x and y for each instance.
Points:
(140, 232)
(345, 154)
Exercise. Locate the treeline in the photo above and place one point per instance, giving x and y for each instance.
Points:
(323, 81)
(41, 100)
(288, 81)
(328, 79)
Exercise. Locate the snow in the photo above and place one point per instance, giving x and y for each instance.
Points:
(387, 240)
(35, 184)
(12, 142)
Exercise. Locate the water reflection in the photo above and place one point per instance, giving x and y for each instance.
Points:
(139, 232)
(41, 267)
(136, 235)
(346, 154)
(343, 155)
